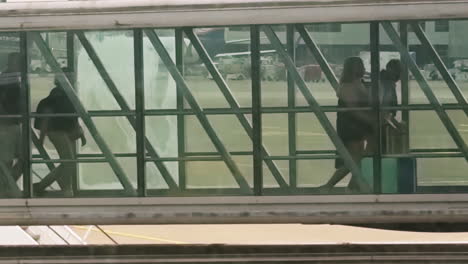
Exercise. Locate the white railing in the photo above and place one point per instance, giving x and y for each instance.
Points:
(54, 235)
(175, 13)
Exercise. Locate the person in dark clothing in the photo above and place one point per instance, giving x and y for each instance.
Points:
(355, 128)
(388, 79)
(62, 131)
(10, 128)
(388, 98)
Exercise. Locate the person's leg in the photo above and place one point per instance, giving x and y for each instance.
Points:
(355, 149)
(357, 184)
(9, 136)
(48, 180)
(64, 147)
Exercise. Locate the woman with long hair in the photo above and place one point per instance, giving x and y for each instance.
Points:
(355, 128)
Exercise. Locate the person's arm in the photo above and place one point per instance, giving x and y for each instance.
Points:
(351, 98)
(82, 137)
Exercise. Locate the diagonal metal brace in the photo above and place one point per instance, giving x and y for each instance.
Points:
(443, 116)
(222, 85)
(71, 94)
(124, 106)
(440, 66)
(179, 79)
(314, 49)
(314, 105)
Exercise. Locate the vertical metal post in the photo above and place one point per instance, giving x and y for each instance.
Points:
(25, 113)
(179, 53)
(405, 92)
(256, 109)
(72, 68)
(291, 48)
(139, 108)
(71, 54)
(375, 80)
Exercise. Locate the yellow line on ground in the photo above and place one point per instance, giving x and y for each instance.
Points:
(133, 235)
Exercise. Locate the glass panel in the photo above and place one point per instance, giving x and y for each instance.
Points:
(460, 119)
(197, 140)
(100, 176)
(315, 173)
(115, 50)
(275, 134)
(160, 87)
(231, 132)
(434, 172)
(162, 134)
(269, 181)
(154, 179)
(116, 131)
(234, 67)
(428, 132)
(310, 133)
(209, 174)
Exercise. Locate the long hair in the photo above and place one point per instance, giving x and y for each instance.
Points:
(353, 68)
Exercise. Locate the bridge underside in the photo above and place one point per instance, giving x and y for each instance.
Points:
(362, 254)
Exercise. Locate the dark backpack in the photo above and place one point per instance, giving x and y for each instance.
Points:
(41, 107)
(58, 103)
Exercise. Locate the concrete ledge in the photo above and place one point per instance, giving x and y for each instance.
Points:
(331, 209)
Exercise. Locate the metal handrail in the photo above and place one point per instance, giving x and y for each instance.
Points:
(63, 15)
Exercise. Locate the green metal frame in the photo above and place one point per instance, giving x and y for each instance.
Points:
(179, 53)
(258, 149)
(140, 108)
(147, 153)
(25, 111)
(375, 84)
(222, 85)
(292, 122)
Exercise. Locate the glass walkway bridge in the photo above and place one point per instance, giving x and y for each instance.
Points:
(226, 112)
